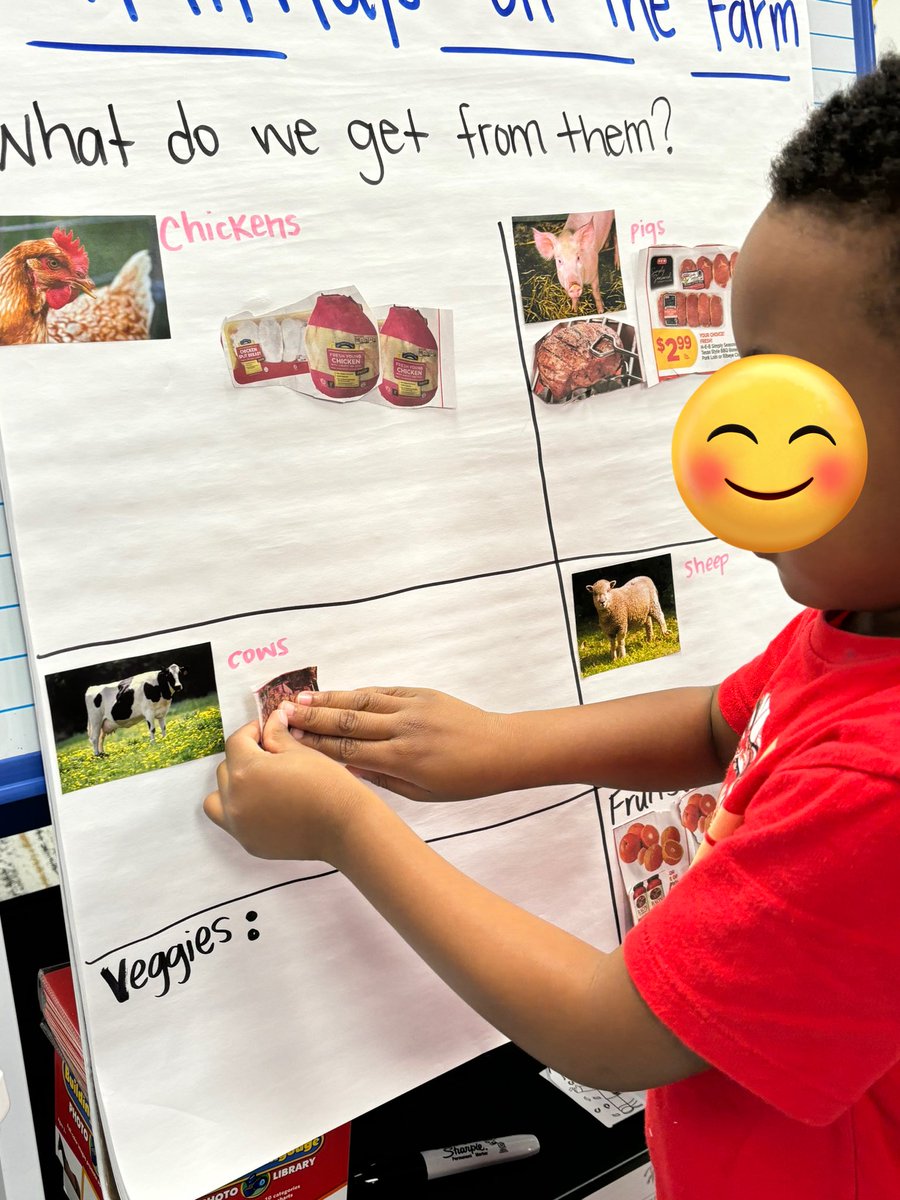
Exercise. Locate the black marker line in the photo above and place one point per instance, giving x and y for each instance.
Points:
(274, 887)
(287, 608)
(639, 553)
(540, 459)
(558, 561)
(415, 587)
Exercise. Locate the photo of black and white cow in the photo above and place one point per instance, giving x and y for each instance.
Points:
(129, 716)
(145, 697)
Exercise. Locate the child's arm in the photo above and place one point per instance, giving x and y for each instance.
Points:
(430, 746)
(565, 1002)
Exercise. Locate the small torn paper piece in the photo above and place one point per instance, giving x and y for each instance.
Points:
(272, 695)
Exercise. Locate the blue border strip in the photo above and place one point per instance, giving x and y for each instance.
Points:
(864, 36)
(23, 799)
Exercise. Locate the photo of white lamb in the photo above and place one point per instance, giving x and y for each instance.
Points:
(619, 609)
(612, 601)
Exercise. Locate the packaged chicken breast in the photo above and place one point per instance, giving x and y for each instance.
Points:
(266, 349)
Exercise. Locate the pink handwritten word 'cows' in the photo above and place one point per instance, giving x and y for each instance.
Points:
(576, 251)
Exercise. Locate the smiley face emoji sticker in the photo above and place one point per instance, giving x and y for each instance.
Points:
(769, 454)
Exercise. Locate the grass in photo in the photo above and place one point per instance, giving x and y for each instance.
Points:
(568, 265)
(80, 279)
(625, 614)
(134, 715)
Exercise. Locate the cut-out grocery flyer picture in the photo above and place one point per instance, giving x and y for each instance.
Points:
(568, 265)
(80, 279)
(133, 715)
(653, 850)
(684, 309)
(625, 614)
(582, 358)
(333, 346)
(274, 692)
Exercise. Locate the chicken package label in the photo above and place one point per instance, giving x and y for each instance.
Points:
(410, 358)
(342, 347)
(332, 346)
(684, 309)
(267, 349)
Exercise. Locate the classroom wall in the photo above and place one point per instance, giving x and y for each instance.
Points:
(887, 25)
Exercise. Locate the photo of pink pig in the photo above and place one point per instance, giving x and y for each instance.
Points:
(568, 265)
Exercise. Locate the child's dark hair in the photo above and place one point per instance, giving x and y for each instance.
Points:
(845, 162)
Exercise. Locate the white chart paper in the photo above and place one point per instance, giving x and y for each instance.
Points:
(155, 510)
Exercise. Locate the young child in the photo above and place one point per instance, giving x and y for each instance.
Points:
(761, 1001)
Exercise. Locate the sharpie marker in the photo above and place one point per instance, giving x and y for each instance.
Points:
(419, 1168)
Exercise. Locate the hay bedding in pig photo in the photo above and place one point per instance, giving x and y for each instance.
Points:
(543, 280)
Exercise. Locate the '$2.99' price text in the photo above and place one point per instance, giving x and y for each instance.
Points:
(674, 350)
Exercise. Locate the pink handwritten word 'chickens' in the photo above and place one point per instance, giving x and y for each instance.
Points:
(576, 251)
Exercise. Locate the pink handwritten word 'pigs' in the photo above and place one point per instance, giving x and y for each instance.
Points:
(258, 653)
(653, 230)
(577, 251)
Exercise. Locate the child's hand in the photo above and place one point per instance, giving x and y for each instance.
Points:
(280, 800)
(421, 744)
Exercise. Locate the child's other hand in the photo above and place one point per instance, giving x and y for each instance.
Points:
(420, 744)
(279, 799)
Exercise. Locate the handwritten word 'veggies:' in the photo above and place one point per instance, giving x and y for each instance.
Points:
(165, 965)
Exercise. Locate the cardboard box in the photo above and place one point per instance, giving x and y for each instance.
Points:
(313, 1171)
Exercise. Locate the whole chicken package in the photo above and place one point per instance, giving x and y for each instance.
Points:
(332, 346)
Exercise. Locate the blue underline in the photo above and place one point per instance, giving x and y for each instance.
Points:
(100, 47)
(17, 708)
(739, 75)
(611, 58)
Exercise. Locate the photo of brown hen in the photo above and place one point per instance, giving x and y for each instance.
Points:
(37, 277)
(120, 312)
(48, 295)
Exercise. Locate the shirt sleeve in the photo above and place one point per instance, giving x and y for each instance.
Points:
(776, 958)
(739, 691)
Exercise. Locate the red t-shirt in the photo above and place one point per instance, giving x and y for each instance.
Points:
(777, 958)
